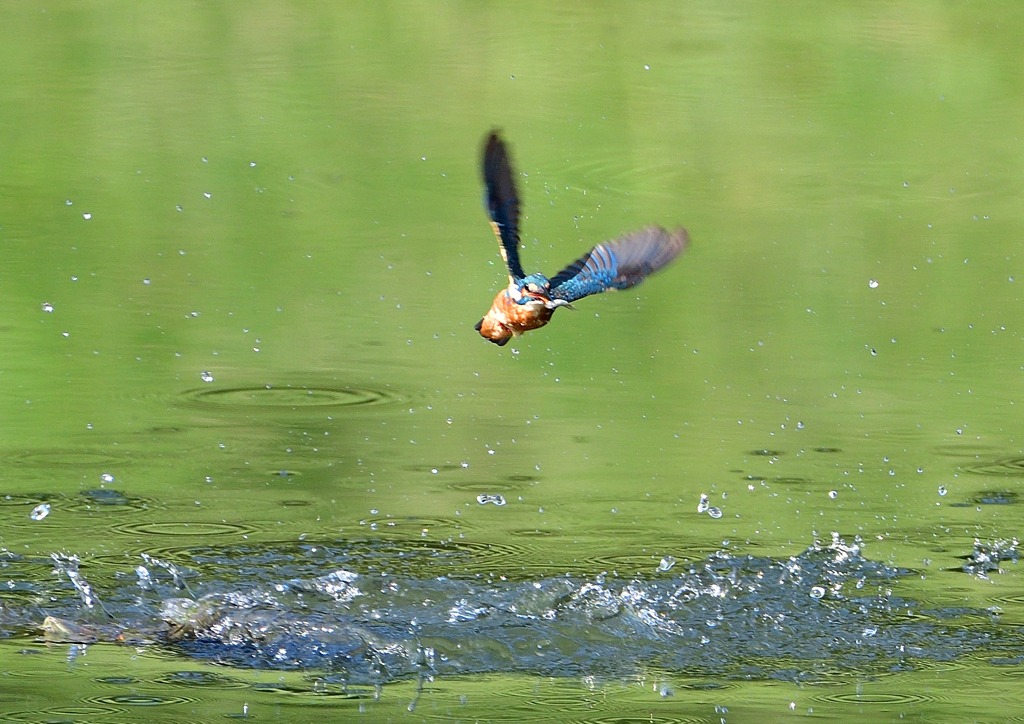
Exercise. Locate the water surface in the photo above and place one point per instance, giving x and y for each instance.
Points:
(243, 254)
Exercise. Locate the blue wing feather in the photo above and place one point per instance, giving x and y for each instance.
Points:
(502, 201)
(619, 264)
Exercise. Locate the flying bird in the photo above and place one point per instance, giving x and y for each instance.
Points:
(529, 300)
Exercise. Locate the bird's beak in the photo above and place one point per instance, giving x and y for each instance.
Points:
(548, 301)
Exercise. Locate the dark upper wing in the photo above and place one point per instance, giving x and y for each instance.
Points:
(503, 201)
(619, 264)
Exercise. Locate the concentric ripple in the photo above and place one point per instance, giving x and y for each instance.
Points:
(286, 397)
(121, 700)
(65, 458)
(63, 713)
(645, 719)
(482, 486)
(876, 698)
(190, 679)
(180, 528)
(1005, 467)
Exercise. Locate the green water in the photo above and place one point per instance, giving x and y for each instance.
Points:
(287, 197)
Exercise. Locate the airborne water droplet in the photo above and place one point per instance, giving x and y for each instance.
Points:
(40, 511)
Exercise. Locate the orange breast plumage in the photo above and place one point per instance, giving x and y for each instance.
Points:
(506, 319)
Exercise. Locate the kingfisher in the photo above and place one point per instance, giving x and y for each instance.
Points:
(529, 300)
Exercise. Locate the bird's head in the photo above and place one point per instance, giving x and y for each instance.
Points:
(532, 289)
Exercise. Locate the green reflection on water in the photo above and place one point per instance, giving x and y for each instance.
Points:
(330, 243)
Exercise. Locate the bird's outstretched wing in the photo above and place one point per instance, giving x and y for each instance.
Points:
(502, 201)
(619, 264)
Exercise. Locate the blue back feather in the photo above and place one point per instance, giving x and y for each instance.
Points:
(619, 264)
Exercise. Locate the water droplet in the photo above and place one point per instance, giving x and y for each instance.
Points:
(40, 511)
(145, 281)
(817, 592)
(145, 578)
(464, 464)
(715, 512)
(873, 284)
(647, 67)
(874, 352)
(86, 216)
(833, 494)
(206, 377)
(252, 164)
(178, 207)
(373, 511)
(484, 499)
(68, 202)
(703, 505)
(799, 426)
(666, 563)
(942, 490)
(107, 478)
(47, 307)
(206, 194)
